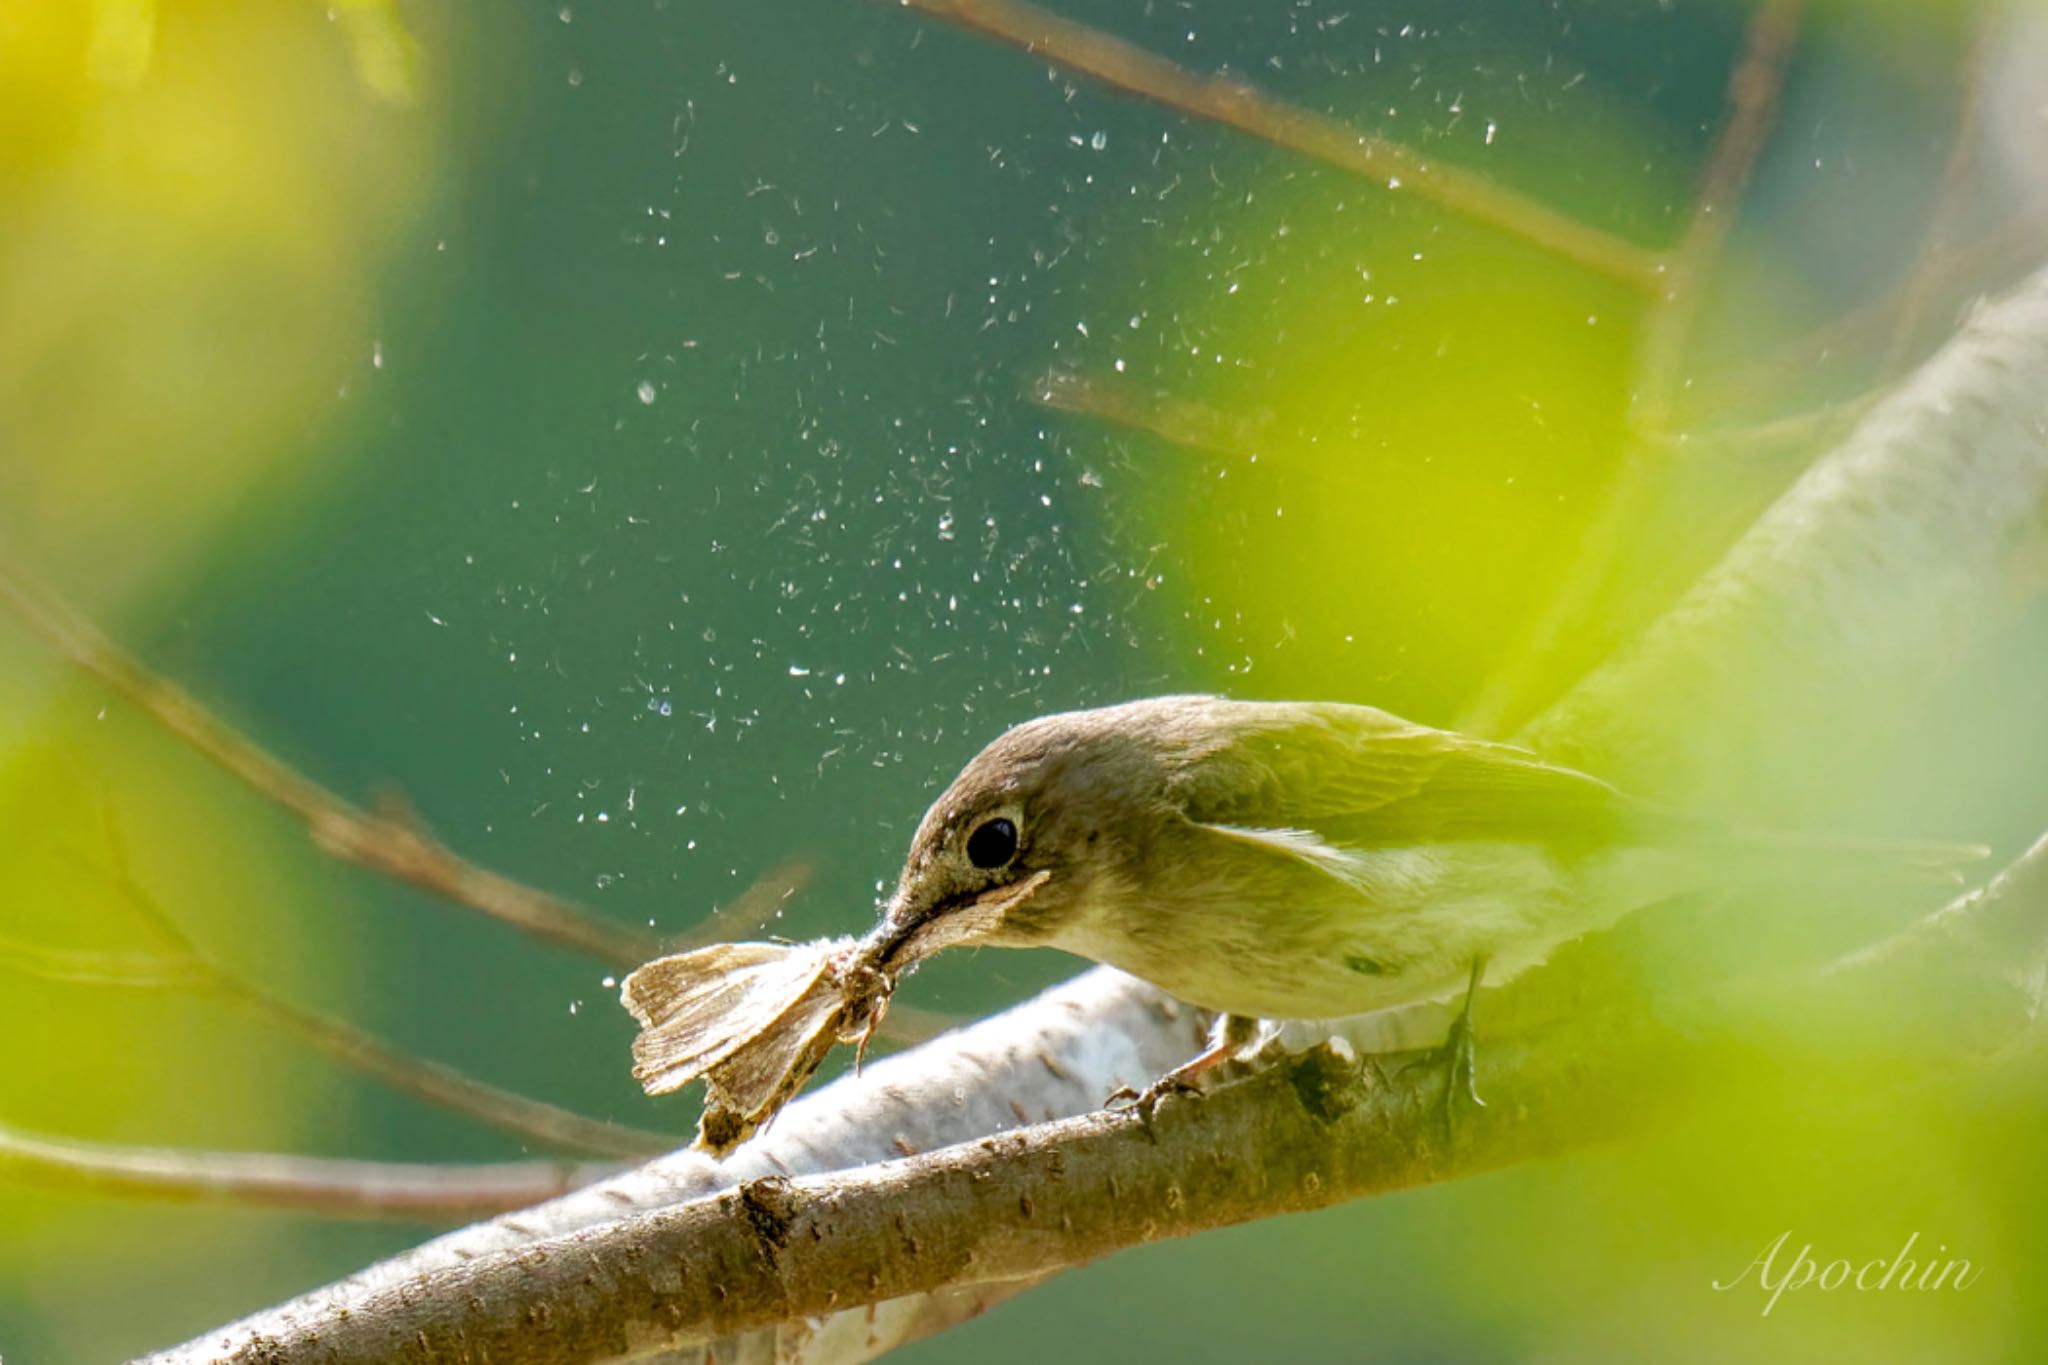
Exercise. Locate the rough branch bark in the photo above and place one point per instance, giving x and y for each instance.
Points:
(1896, 552)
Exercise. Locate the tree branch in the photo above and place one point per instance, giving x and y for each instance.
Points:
(1318, 1129)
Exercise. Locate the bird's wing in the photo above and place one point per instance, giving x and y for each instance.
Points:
(1357, 777)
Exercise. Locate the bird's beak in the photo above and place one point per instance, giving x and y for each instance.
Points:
(907, 935)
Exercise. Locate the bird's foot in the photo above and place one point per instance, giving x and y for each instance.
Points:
(1144, 1102)
(1459, 1057)
(1228, 1038)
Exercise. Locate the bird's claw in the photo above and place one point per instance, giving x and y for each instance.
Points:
(1458, 1055)
(1144, 1102)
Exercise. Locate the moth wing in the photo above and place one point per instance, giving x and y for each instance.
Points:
(697, 1008)
(747, 1087)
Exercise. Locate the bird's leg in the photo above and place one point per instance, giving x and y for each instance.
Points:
(1229, 1035)
(1459, 1056)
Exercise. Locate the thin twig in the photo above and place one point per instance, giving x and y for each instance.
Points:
(1123, 403)
(1754, 91)
(750, 911)
(1823, 425)
(393, 847)
(1666, 329)
(1240, 105)
(1949, 198)
(343, 1189)
(1989, 262)
(186, 966)
(88, 967)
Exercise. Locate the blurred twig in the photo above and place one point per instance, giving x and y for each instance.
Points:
(186, 966)
(1918, 293)
(1126, 404)
(750, 911)
(1753, 94)
(1765, 440)
(2017, 245)
(383, 844)
(1238, 104)
(338, 1188)
(1666, 330)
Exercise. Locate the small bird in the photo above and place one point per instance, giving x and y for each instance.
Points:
(1299, 860)
(1262, 860)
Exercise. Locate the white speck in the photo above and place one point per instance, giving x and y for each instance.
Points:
(609, 983)
(799, 671)
(1393, 182)
(1489, 132)
(1082, 328)
(1099, 141)
(646, 391)
(376, 355)
(435, 619)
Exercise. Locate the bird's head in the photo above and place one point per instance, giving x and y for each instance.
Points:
(1048, 823)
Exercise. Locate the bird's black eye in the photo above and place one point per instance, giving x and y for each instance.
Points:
(993, 844)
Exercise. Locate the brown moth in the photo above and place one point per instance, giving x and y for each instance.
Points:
(755, 1020)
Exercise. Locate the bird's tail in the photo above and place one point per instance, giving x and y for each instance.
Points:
(1880, 855)
(1800, 852)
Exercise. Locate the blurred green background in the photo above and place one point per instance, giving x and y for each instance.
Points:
(611, 427)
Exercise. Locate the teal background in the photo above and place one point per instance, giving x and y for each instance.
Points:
(695, 516)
